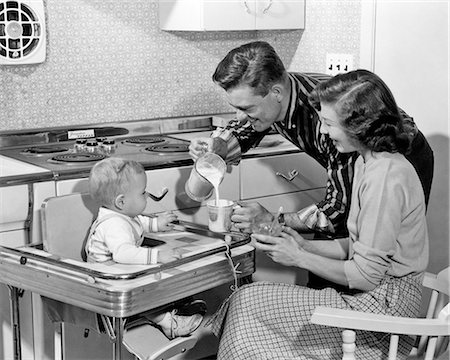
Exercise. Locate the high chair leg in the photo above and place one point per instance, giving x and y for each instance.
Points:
(58, 338)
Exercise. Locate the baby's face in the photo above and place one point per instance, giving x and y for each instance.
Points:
(136, 197)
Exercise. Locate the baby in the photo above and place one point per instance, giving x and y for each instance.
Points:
(116, 236)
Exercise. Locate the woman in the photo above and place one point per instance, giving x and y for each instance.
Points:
(381, 262)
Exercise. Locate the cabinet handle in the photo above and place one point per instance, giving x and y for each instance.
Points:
(164, 191)
(247, 9)
(290, 176)
(269, 4)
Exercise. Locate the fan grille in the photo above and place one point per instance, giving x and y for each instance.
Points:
(20, 30)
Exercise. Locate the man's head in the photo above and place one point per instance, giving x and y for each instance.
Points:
(256, 83)
(119, 185)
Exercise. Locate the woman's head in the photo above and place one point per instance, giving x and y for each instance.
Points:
(119, 185)
(366, 109)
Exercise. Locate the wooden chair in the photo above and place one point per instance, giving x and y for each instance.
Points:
(432, 332)
(65, 224)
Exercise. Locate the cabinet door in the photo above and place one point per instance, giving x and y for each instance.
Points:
(266, 268)
(276, 14)
(14, 204)
(275, 175)
(15, 238)
(223, 15)
(229, 15)
(210, 15)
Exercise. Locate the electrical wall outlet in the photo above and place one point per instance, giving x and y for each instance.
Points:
(338, 63)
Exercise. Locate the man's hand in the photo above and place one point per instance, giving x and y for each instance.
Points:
(200, 146)
(247, 214)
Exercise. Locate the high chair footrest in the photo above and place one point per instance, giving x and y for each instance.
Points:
(148, 343)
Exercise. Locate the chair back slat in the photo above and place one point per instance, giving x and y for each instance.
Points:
(66, 221)
(393, 346)
(438, 300)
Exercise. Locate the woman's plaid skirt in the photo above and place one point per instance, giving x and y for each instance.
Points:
(271, 321)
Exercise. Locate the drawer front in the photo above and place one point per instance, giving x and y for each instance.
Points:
(271, 175)
(175, 179)
(292, 202)
(14, 204)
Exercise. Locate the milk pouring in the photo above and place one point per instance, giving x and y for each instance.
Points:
(206, 176)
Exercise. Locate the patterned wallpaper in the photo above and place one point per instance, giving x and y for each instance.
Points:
(107, 61)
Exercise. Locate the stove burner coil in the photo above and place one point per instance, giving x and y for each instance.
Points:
(44, 150)
(168, 148)
(78, 157)
(139, 140)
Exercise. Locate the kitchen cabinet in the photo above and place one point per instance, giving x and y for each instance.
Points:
(18, 212)
(216, 15)
(293, 181)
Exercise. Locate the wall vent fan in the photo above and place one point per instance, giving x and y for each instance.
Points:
(22, 32)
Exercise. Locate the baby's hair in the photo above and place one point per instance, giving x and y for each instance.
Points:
(110, 178)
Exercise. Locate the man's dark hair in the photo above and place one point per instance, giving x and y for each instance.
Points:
(255, 64)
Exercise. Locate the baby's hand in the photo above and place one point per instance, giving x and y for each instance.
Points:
(168, 255)
(165, 219)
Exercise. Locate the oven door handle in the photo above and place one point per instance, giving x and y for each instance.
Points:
(160, 197)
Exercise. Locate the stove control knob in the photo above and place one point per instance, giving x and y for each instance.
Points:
(109, 146)
(91, 146)
(80, 145)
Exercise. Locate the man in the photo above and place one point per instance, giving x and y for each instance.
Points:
(266, 96)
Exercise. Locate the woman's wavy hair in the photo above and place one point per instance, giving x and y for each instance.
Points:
(111, 177)
(255, 64)
(367, 108)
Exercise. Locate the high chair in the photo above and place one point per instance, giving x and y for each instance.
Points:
(432, 332)
(65, 224)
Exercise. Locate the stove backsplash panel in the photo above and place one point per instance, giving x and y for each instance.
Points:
(108, 61)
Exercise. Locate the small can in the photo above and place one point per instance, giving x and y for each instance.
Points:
(92, 146)
(109, 146)
(80, 145)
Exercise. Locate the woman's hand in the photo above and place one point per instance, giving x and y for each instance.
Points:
(286, 249)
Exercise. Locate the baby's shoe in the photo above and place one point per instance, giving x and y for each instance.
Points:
(191, 307)
(174, 325)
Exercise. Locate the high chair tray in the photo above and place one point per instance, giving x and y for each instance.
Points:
(75, 282)
(191, 241)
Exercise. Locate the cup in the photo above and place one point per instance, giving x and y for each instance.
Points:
(219, 215)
